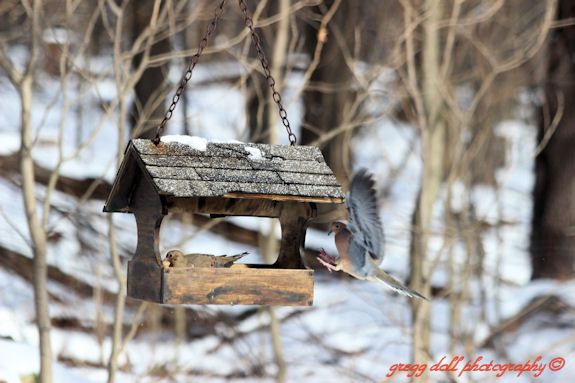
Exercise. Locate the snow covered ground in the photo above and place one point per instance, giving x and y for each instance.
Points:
(354, 332)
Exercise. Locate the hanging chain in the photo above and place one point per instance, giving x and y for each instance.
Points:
(271, 82)
(188, 75)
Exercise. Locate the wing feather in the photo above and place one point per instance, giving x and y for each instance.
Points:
(358, 258)
(364, 222)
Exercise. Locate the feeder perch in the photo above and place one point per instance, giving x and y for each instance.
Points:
(284, 182)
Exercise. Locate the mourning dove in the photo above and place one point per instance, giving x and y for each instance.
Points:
(175, 258)
(359, 242)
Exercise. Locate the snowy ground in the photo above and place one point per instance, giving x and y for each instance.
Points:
(354, 332)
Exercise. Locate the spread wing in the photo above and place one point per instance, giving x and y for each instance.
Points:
(364, 222)
(361, 267)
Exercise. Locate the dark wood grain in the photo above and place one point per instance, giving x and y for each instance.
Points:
(238, 285)
(144, 270)
(226, 206)
(294, 218)
(278, 197)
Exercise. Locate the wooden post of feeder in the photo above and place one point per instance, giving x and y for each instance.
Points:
(293, 218)
(144, 269)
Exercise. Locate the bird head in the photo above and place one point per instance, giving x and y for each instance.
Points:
(172, 256)
(336, 227)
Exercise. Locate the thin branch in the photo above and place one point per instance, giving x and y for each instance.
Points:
(552, 128)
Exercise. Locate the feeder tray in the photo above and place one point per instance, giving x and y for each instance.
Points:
(284, 182)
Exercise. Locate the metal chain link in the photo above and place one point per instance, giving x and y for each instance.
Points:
(271, 82)
(188, 75)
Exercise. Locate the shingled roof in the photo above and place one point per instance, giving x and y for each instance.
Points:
(227, 170)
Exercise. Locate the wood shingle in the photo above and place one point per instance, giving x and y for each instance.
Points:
(231, 169)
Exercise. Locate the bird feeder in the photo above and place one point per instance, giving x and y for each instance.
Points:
(222, 179)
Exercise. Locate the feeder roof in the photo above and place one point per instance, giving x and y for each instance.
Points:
(233, 170)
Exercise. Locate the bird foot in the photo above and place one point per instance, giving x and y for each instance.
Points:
(326, 260)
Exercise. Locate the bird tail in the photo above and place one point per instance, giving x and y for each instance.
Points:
(396, 285)
(233, 258)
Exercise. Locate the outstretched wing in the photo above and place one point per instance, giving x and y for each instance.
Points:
(364, 222)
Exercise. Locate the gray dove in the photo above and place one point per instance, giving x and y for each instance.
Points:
(359, 242)
(175, 258)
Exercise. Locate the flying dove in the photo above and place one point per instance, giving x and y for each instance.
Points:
(359, 242)
(175, 258)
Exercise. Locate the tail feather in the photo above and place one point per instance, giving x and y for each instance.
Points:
(233, 258)
(396, 285)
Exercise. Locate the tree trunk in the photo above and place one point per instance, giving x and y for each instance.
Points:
(116, 261)
(37, 233)
(24, 84)
(327, 109)
(269, 247)
(148, 108)
(120, 304)
(433, 147)
(553, 235)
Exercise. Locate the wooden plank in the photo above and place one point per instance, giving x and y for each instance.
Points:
(293, 166)
(319, 191)
(275, 164)
(299, 152)
(127, 174)
(181, 173)
(196, 162)
(241, 175)
(294, 218)
(238, 285)
(146, 146)
(191, 188)
(249, 176)
(144, 270)
(278, 197)
(226, 206)
(308, 179)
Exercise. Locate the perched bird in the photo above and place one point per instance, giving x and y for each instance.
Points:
(175, 258)
(359, 242)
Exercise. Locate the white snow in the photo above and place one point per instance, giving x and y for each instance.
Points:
(254, 153)
(56, 35)
(197, 143)
(10, 143)
(228, 141)
(19, 360)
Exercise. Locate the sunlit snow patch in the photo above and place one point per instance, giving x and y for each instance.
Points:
(254, 153)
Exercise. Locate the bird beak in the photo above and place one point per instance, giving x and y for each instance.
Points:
(329, 232)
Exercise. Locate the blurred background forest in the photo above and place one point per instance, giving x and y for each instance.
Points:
(460, 108)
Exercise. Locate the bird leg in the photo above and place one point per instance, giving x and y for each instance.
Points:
(326, 260)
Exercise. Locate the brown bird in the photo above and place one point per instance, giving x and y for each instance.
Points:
(175, 258)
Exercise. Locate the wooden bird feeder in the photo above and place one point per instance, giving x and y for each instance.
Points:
(284, 182)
